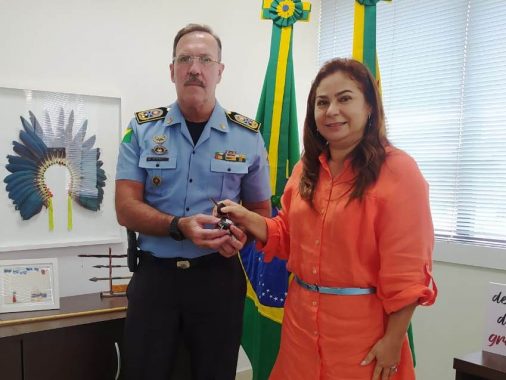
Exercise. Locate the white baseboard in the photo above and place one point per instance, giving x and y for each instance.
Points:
(244, 375)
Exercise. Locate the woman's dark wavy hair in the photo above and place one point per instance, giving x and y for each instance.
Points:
(368, 156)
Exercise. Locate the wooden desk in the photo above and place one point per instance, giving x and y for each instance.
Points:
(480, 366)
(75, 310)
(81, 340)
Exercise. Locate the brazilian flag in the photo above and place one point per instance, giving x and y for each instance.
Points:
(267, 283)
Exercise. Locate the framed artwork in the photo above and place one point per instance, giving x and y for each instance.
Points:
(58, 169)
(30, 284)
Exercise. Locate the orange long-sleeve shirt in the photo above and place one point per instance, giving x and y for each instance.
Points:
(385, 241)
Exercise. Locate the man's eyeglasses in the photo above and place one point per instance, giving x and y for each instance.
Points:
(204, 60)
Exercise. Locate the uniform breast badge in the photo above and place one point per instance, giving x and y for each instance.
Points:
(230, 155)
(159, 149)
(159, 139)
(157, 180)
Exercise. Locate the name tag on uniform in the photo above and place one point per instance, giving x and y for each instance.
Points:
(157, 158)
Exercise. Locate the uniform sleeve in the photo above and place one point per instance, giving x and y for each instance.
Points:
(405, 237)
(255, 186)
(128, 157)
(278, 236)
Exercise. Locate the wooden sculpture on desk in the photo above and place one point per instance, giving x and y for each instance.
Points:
(114, 290)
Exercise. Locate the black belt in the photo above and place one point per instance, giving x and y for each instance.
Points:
(182, 262)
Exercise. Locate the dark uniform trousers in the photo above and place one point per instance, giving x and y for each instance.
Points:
(203, 304)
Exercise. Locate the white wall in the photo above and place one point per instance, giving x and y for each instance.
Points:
(123, 48)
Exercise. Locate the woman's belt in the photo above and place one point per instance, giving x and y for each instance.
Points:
(337, 291)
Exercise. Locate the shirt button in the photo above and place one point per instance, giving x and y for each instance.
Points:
(314, 269)
(187, 209)
(323, 211)
(228, 169)
(315, 303)
(191, 180)
(315, 333)
(157, 165)
(193, 152)
(317, 242)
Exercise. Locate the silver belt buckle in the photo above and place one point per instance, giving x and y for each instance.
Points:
(183, 264)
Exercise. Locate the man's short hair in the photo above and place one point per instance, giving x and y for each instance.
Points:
(190, 28)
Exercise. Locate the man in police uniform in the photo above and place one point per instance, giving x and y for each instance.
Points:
(172, 162)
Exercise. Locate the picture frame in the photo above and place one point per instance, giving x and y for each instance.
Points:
(63, 120)
(28, 285)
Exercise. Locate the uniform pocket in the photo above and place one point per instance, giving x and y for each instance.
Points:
(159, 169)
(230, 167)
(231, 173)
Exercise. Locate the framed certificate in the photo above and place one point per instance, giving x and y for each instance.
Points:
(28, 284)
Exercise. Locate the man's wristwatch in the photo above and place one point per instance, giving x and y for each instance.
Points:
(174, 231)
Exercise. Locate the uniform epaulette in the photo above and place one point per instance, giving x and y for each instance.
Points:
(151, 115)
(244, 121)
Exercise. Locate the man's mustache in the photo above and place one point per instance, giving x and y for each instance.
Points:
(193, 81)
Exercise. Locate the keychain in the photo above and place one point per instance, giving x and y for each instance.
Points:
(224, 223)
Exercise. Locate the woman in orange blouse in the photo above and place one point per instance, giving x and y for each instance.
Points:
(356, 228)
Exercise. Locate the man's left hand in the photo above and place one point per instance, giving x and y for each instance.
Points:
(235, 242)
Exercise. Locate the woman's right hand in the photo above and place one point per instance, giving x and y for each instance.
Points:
(243, 218)
(234, 211)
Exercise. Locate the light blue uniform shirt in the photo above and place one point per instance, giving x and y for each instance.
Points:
(180, 177)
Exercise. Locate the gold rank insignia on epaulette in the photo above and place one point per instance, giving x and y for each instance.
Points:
(151, 115)
(244, 121)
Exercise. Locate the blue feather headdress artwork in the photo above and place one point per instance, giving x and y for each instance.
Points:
(39, 149)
